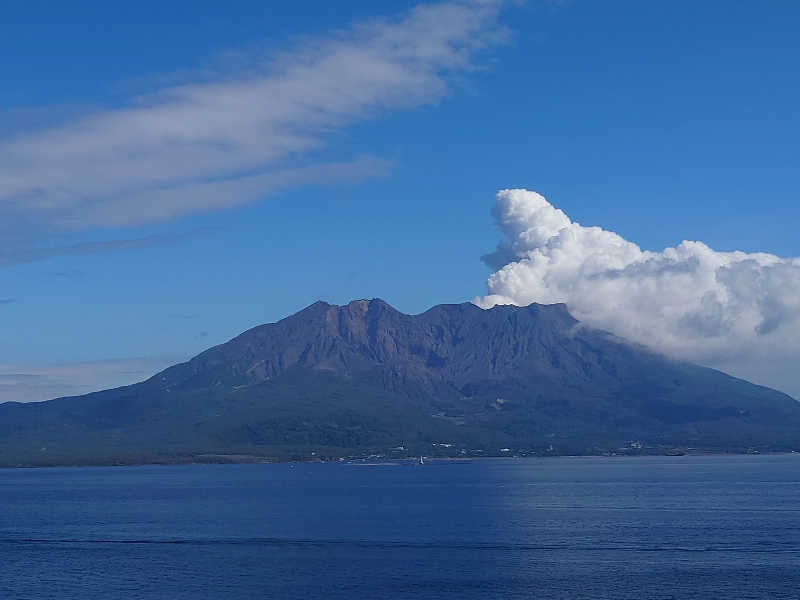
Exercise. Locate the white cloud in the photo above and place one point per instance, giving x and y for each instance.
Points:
(32, 382)
(220, 142)
(731, 310)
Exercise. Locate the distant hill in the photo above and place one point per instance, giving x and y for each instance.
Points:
(364, 379)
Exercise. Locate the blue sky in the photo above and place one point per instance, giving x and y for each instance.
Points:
(660, 121)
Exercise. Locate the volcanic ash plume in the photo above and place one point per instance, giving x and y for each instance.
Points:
(732, 310)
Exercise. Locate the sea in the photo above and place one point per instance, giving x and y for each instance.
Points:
(684, 527)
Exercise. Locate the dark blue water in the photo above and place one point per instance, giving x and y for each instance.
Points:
(643, 528)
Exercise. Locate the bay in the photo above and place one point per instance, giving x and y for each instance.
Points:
(572, 528)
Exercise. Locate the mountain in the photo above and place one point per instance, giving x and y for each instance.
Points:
(364, 378)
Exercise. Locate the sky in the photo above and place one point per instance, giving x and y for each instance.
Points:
(172, 174)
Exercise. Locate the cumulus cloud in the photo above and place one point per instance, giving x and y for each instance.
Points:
(731, 310)
(232, 138)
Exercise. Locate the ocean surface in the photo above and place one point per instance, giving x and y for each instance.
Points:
(571, 528)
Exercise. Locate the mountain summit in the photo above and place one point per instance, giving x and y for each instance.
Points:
(364, 378)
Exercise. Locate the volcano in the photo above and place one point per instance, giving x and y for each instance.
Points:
(336, 381)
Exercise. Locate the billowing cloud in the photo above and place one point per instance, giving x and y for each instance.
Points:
(732, 310)
(235, 137)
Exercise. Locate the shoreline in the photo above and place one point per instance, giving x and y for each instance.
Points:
(405, 461)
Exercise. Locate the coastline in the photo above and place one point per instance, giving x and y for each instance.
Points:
(240, 459)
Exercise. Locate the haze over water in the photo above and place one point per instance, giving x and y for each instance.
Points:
(656, 527)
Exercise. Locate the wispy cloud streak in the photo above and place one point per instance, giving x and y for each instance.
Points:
(218, 143)
(32, 382)
(23, 254)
